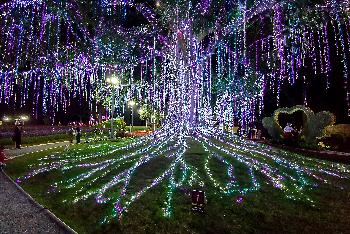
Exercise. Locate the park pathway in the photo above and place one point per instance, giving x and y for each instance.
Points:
(13, 153)
(19, 213)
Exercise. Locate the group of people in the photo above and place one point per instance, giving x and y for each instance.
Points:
(74, 131)
(253, 132)
(17, 138)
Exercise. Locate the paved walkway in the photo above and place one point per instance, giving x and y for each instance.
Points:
(13, 153)
(19, 213)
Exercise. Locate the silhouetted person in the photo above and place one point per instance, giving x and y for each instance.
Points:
(95, 133)
(17, 137)
(2, 157)
(70, 134)
(78, 134)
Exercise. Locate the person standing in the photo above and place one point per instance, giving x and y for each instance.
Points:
(2, 157)
(78, 134)
(288, 133)
(17, 137)
(95, 133)
(70, 135)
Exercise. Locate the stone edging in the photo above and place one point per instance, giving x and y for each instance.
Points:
(44, 209)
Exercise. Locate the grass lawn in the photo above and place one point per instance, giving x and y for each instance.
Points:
(66, 188)
(35, 140)
(137, 128)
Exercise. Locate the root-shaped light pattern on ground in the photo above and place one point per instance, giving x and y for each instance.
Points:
(295, 176)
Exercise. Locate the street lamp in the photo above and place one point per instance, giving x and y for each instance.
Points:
(132, 104)
(115, 83)
(6, 119)
(24, 118)
(153, 120)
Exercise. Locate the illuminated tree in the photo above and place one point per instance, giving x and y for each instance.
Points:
(199, 62)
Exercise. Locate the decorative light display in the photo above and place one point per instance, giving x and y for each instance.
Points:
(200, 64)
(207, 63)
(292, 174)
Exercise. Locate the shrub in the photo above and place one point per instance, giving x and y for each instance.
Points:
(272, 127)
(118, 125)
(316, 125)
(337, 137)
(312, 129)
(339, 129)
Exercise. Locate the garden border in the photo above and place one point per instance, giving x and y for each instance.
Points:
(42, 208)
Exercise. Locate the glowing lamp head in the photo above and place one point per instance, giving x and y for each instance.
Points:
(115, 81)
(132, 103)
(23, 117)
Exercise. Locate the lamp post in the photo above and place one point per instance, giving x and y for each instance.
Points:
(132, 104)
(6, 119)
(114, 82)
